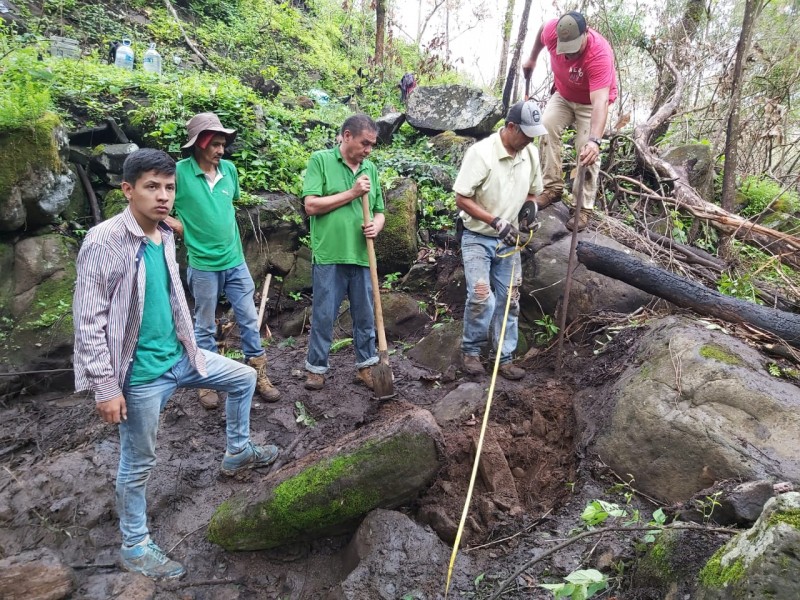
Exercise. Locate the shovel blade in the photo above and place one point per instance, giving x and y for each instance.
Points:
(382, 381)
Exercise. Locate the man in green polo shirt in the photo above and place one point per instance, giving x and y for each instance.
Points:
(334, 183)
(207, 186)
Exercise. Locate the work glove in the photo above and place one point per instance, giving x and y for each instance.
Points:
(506, 231)
(527, 217)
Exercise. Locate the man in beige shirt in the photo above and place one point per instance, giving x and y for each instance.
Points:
(498, 176)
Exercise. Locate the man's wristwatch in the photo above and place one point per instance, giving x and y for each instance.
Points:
(596, 140)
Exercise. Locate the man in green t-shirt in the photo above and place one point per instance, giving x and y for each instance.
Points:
(207, 186)
(334, 183)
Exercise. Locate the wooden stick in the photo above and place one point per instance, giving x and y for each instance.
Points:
(264, 292)
(93, 206)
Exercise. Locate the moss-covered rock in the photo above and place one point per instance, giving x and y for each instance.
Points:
(329, 491)
(35, 183)
(451, 147)
(440, 349)
(763, 562)
(6, 278)
(396, 246)
(114, 203)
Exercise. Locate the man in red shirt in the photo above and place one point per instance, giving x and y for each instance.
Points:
(585, 84)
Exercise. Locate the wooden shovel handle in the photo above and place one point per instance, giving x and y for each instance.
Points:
(373, 272)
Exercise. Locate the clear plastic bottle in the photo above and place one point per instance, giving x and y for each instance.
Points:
(124, 56)
(152, 60)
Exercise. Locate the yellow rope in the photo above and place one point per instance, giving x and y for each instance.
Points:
(485, 422)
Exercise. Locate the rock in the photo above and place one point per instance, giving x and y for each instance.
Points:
(440, 349)
(329, 491)
(392, 557)
(388, 125)
(425, 171)
(672, 562)
(494, 470)
(78, 207)
(36, 260)
(543, 282)
(109, 158)
(80, 155)
(458, 108)
(299, 279)
(131, 586)
(402, 316)
(763, 562)
(729, 503)
(451, 147)
(36, 183)
(296, 324)
(445, 527)
(421, 277)
(35, 575)
(6, 278)
(304, 102)
(268, 88)
(396, 246)
(695, 406)
(696, 162)
(467, 399)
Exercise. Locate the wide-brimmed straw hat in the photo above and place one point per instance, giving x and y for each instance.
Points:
(207, 121)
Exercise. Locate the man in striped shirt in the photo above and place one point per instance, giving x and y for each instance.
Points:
(134, 346)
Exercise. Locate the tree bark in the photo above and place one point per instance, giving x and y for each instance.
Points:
(380, 30)
(329, 491)
(687, 294)
(35, 575)
(506, 33)
(512, 70)
(752, 8)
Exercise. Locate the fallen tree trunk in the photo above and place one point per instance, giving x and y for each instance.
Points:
(329, 491)
(687, 294)
(35, 575)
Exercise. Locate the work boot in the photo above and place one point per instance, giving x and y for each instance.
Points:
(512, 372)
(252, 457)
(365, 376)
(547, 197)
(582, 220)
(149, 560)
(209, 399)
(314, 381)
(264, 386)
(472, 364)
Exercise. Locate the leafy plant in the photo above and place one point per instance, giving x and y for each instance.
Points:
(598, 511)
(341, 344)
(302, 415)
(233, 354)
(289, 342)
(759, 193)
(739, 287)
(296, 296)
(549, 330)
(52, 315)
(390, 279)
(578, 585)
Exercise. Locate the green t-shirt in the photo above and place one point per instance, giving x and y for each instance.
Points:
(158, 348)
(210, 231)
(336, 237)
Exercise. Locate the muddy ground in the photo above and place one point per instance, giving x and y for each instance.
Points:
(59, 463)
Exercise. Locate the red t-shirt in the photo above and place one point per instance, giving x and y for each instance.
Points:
(592, 70)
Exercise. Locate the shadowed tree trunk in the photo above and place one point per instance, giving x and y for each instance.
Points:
(380, 30)
(507, 23)
(512, 70)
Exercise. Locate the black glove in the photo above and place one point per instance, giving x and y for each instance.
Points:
(506, 231)
(527, 217)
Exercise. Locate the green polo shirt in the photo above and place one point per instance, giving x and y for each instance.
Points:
(210, 231)
(336, 237)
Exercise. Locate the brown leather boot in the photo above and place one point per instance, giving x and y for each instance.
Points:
(512, 372)
(314, 381)
(472, 365)
(580, 221)
(365, 376)
(548, 197)
(209, 399)
(263, 385)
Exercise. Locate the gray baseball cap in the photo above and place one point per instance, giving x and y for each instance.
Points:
(527, 115)
(571, 30)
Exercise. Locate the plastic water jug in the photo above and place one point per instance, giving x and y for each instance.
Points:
(124, 56)
(152, 60)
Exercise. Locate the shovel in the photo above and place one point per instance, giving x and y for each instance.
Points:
(383, 386)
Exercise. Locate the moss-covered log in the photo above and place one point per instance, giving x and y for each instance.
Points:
(327, 492)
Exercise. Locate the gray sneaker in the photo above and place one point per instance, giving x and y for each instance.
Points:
(252, 457)
(149, 560)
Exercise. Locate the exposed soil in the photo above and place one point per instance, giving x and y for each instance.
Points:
(59, 464)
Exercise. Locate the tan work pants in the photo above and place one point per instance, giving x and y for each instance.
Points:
(558, 115)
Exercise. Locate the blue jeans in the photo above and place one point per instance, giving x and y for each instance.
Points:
(331, 283)
(137, 434)
(237, 284)
(488, 274)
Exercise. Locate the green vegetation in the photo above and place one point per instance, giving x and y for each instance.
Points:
(789, 517)
(715, 575)
(760, 193)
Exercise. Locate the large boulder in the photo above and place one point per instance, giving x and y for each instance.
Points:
(694, 406)
(388, 125)
(458, 108)
(763, 562)
(329, 491)
(402, 316)
(440, 350)
(396, 246)
(451, 147)
(36, 182)
(391, 557)
(544, 275)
